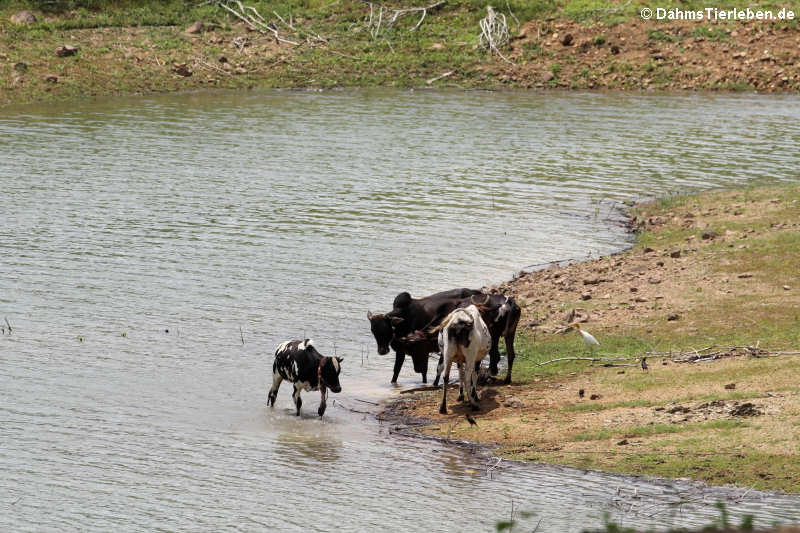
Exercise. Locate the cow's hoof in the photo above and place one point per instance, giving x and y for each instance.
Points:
(507, 380)
(493, 371)
(424, 379)
(443, 410)
(436, 382)
(321, 411)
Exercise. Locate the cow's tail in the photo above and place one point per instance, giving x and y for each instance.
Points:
(459, 330)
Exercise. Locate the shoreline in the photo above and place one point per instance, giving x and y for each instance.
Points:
(529, 386)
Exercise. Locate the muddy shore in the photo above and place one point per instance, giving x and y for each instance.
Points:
(708, 297)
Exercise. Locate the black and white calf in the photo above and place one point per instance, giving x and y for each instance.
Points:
(300, 363)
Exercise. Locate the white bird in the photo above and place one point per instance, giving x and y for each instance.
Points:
(588, 338)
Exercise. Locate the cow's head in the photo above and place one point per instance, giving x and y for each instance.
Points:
(383, 327)
(329, 372)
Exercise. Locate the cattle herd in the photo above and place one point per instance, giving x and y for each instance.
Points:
(462, 325)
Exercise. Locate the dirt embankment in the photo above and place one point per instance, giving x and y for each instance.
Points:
(77, 54)
(713, 279)
(664, 55)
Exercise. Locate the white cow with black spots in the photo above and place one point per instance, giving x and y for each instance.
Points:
(300, 363)
(465, 340)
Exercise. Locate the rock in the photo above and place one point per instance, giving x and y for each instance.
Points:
(567, 40)
(730, 386)
(623, 442)
(181, 70)
(745, 409)
(660, 263)
(708, 235)
(615, 49)
(640, 299)
(223, 59)
(52, 78)
(673, 317)
(676, 254)
(66, 50)
(679, 409)
(513, 402)
(19, 66)
(592, 281)
(23, 17)
(547, 76)
(787, 288)
(594, 397)
(653, 281)
(586, 296)
(745, 275)
(648, 250)
(437, 46)
(197, 27)
(240, 70)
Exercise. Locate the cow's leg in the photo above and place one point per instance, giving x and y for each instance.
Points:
(510, 351)
(439, 368)
(399, 357)
(475, 369)
(463, 385)
(296, 397)
(323, 403)
(494, 355)
(421, 364)
(273, 392)
(446, 378)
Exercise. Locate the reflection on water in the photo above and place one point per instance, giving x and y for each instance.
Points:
(156, 250)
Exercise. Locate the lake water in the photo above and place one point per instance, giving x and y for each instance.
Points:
(155, 250)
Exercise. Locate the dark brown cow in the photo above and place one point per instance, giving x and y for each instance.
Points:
(410, 315)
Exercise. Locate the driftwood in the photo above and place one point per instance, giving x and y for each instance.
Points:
(494, 33)
(382, 17)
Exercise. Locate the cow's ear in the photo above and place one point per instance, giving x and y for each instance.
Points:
(369, 315)
(396, 320)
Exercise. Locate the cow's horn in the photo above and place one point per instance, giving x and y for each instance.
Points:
(369, 315)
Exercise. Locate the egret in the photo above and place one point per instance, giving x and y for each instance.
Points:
(588, 338)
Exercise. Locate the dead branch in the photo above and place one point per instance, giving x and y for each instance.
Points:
(494, 33)
(200, 63)
(250, 16)
(437, 78)
(704, 355)
(392, 15)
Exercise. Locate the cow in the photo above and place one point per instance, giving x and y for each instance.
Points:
(409, 315)
(301, 363)
(464, 339)
(501, 315)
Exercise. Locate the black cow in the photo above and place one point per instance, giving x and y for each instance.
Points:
(300, 363)
(408, 316)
